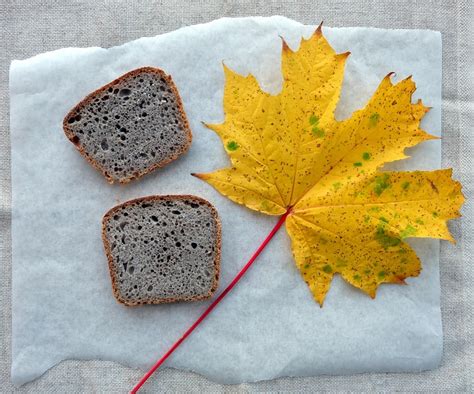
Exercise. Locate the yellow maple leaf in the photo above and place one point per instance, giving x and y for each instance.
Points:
(288, 152)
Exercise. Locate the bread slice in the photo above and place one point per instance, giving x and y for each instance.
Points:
(130, 126)
(163, 249)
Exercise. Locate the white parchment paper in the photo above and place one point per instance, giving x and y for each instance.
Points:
(269, 326)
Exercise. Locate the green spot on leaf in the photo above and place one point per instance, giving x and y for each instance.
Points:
(357, 164)
(405, 185)
(409, 231)
(356, 277)
(366, 218)
(367, 272)
(381, 184)
(337, 185)
(327, 268)
(419, 221)
(374, 119)
(374, 209)
(382, 219)
(317, 132)
(381, 274)
(232, 145)
(323, 240)
(385, 239)
(366, 156)
(435, 214)
(306, 266)
(313, 119)
(265, 205)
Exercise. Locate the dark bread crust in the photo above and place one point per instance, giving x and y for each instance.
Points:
(84, 102)
(108, 252)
